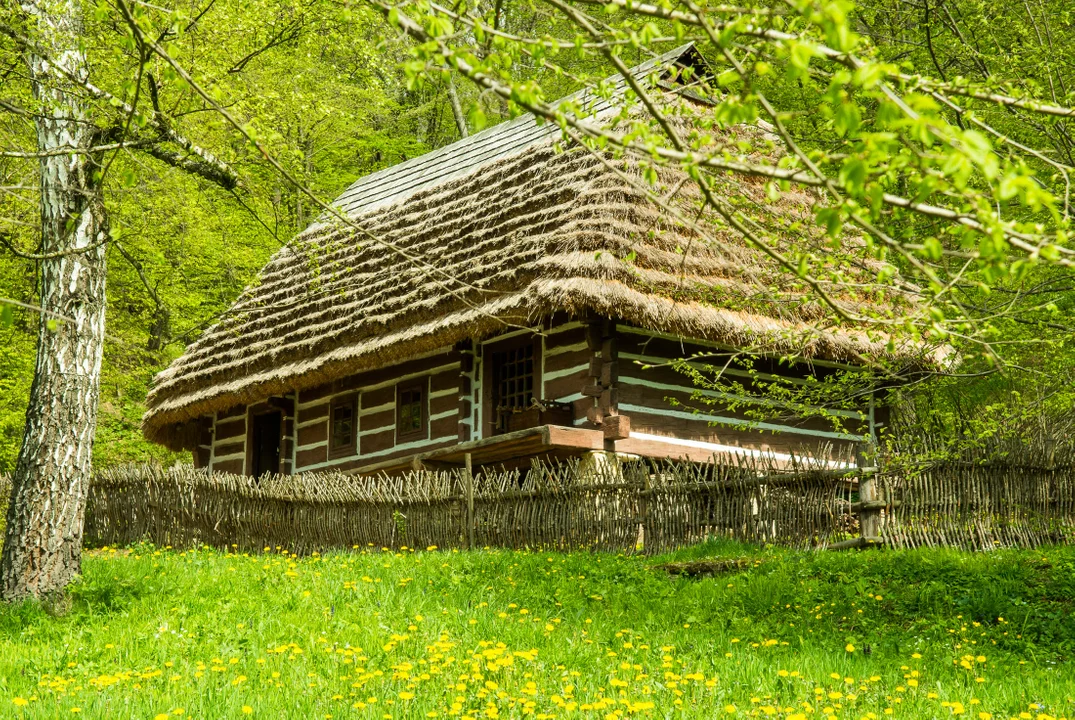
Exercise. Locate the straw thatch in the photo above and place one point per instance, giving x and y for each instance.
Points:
(517, 238)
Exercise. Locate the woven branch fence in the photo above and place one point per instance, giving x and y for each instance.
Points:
(1009, 494)
(601, 506)
(1018, 494)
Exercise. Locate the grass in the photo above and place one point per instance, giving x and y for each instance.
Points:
(925, 634)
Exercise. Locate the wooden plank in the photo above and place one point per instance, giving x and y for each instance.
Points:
(232, 412)
(567, 360)
(592, 390)
(375, 442)
(231, 448)
(656, 423)
(313, 456)
(388, 374)
(566, 338)
(316, 393)
(668, 349)
(382, 419)
(579, 438)
(313, 413)
(444, 426)
(565, 386)
(609, 373)
(230, 429)
(617, 427)
(376, 398)
(229, 466)
(447, 380)
(657, 449)
(313, 433)
(444, 404)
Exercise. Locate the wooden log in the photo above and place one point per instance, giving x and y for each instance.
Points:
(617, 427)
(855, 543)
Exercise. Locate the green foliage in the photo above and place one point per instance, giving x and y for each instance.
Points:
(958, 108)
(322, 92)
(154, 630)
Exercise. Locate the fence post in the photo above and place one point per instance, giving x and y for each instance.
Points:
(468, 479)
(869, 514)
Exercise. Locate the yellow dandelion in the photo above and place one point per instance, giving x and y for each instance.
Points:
(20, 702)
(247, 710)
(730, 709)
(850, 648)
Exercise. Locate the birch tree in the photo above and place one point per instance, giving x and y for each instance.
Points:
(43, 542)
(44, 525)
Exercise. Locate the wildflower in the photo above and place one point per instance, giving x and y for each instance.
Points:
(20, 702)
(730, 709)
(850, 648)
(247, 710)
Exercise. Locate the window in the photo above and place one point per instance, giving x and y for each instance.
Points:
(412, 416)
(342, 426)
(510, 381)
(513, 378)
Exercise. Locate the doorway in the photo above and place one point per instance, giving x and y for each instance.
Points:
(265, 435)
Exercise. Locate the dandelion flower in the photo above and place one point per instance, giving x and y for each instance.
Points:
(730, 709)
(850, 648)
(247, 710)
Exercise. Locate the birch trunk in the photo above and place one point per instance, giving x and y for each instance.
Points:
(43, 546)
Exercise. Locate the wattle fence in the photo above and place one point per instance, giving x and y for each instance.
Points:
(1019, 494)
(602, 506)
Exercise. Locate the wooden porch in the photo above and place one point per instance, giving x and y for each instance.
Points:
(554, 442)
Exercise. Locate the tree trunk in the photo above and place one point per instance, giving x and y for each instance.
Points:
(43, 546)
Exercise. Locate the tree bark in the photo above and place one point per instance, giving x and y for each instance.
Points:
(43, 545)
(457, 109)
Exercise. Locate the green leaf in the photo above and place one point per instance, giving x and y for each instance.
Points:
(933, 249)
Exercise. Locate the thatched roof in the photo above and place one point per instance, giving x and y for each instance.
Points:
(499, 229)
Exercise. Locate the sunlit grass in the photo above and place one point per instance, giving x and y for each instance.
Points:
(371, 634)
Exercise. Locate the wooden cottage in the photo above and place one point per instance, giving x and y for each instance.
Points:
(501, 299)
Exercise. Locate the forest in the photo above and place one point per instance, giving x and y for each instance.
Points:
(892, 177)
(331, 92)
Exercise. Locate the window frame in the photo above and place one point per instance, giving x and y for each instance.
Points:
(488, 374)
(347, 400)
(422, 433)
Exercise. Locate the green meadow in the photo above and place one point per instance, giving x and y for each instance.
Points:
(157, 634)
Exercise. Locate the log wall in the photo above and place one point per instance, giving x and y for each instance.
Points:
(662, 402)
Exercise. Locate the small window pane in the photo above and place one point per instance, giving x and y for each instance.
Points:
(411, 403)
(343, 425)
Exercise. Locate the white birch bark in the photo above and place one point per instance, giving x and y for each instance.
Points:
(43, 545)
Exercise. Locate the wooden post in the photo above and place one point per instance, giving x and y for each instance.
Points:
(869, 513)
(469, 480)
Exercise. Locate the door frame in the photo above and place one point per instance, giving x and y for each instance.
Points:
(258, 410)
